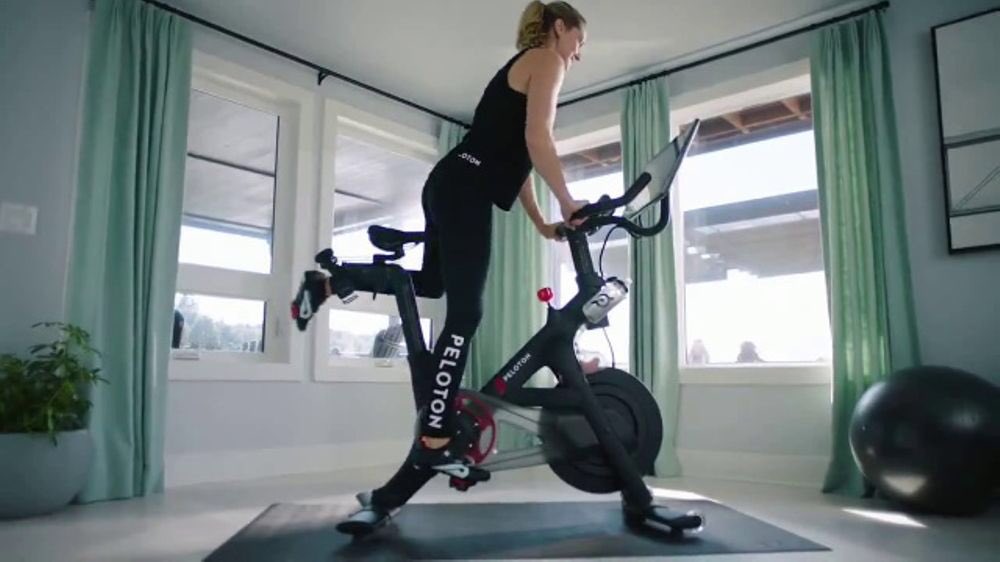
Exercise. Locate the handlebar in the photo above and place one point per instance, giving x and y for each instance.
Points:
(660, 171)
(599, 214)
(607, 204)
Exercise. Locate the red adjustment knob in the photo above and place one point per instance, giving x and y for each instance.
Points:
(545, 294)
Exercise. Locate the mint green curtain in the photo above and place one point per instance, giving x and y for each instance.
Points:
(861, 202)
(654, 355)
(512, 313)
(449, 136)
(127, 225)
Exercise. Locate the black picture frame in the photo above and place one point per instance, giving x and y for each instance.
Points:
(945, 146)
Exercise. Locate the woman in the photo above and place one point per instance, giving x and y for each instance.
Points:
(491, 166)
(511, 133)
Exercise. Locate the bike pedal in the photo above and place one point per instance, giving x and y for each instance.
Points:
(460, 484)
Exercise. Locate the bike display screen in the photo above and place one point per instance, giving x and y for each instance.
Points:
(662, 170)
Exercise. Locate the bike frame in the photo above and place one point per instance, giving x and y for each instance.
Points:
(552, 347)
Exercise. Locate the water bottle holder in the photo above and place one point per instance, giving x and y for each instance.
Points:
(599, 305)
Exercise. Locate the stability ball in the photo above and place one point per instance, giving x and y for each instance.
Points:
(929, 438)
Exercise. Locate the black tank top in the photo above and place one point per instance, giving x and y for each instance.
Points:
(494, 148)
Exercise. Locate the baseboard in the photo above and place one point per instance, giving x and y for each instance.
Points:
(794, 470)
(224, 466)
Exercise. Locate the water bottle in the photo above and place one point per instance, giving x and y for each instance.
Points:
(613, 292)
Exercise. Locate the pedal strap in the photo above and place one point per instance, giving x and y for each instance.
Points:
(455, 469)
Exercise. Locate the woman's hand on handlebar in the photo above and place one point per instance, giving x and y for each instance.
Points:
(569, 207)
(550, 231)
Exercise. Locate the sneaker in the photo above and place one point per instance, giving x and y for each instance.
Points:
(311, 295)
(367, 519)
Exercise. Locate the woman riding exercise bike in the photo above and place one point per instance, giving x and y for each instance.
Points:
(491, 166)
(511, 133)
(598, 432)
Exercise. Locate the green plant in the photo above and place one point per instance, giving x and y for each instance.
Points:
(46, 392)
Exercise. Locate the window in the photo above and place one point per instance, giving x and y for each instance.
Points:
(754, 284)
(229, 185)
(375, 183)
(220, 324)
(234, 274)
(591, 173)
(374, 172)
(369, 335)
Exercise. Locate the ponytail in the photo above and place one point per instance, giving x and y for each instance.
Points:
(538, 18)
(530, 31)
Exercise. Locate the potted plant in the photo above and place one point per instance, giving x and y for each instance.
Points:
(44, 446)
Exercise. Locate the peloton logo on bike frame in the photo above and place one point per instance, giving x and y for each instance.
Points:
(517, 367)
(601, 300)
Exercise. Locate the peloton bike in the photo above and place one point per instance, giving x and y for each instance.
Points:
(600, 432)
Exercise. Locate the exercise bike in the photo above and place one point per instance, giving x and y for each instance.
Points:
(600, 432)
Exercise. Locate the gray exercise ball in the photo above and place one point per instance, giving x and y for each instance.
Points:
(929, 437)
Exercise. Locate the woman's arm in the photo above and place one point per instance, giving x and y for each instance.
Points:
(530, 205)
(527, 197)
(544, 82)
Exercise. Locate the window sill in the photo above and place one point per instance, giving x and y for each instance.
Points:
(364, 369)
(231, 367)
(786, 374)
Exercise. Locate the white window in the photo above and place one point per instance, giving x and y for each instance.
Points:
(376, 182)
(242, 182)
(754, 287)
(229, 184)
(373, 174)
(369, 334)
(227, 226)
(593, 167)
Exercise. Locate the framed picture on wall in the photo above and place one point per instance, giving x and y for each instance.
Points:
(967, 69)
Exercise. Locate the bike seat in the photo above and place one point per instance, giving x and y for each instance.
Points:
(392, 240)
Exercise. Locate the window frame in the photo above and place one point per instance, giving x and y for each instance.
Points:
(282, 359)
(596, 132)
(720, 98)
(794, 80)
(337, 119)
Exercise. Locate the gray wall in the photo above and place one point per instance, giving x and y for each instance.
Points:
(224, 47)
(41, 56)
(42, 46)
(231, 416)
(957, 301)
(695, 80)
(769, 420)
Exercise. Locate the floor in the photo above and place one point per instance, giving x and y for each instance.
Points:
(186, 524)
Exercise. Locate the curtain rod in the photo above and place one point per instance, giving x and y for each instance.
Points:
(734, 51)
(322, 72)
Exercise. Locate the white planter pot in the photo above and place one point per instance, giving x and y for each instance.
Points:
(37, 477)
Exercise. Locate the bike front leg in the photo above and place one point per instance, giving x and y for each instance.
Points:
(637, 501)
(634, 490)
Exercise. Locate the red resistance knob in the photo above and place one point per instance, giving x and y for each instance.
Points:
(545, 294)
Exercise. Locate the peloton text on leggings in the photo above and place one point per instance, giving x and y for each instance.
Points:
(443, 380)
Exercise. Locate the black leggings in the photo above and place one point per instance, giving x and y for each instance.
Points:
(458, 215)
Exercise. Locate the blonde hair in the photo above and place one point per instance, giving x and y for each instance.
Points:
(538, 18)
